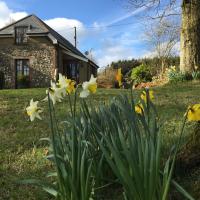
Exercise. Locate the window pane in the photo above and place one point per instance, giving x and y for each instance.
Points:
(22, 67)
(20, 35)
(73, 70)
(26, 70)
(19, 67)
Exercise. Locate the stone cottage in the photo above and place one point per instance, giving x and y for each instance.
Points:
(32, 53)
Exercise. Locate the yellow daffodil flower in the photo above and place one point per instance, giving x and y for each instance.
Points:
(173, 68)
(33, 111)
(193, 113)
(89, 87)
(139, 108)
(71, 86)
(55, 93)
(144, 95)
(119, 77)
(67, 85)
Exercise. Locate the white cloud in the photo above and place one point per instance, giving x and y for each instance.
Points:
(17, 15)
(126, 16)
(149, 54)
(111, 51)
(118, 47)
(7, 15)
(65, 27)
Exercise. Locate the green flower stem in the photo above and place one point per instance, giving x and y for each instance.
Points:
(70, 105)
(53, 139)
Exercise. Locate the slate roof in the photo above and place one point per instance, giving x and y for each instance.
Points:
(37, 26)
(62, 40)
(31, 20)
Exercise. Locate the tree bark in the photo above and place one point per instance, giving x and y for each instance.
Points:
(190, 36)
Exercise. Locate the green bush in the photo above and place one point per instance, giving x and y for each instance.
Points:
(141, 74)
(196, 75)
(176, 76)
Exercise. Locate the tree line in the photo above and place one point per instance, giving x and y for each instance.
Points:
(154, 64)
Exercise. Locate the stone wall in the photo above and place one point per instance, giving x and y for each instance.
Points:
(42, 57)
(83, 72)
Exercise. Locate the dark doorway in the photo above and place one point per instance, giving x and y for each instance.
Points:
(22, 73)
(2, 80)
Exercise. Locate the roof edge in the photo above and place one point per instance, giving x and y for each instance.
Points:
(15, 22)
(93, 63)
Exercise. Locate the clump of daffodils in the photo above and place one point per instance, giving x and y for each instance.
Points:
(33, 111)
(174, 75)
(192, 114)
(60, 89)
(139, 108)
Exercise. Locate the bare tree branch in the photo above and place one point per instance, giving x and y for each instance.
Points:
(162, 38)
(156, 8)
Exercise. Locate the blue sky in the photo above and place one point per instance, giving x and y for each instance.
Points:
(105, 27)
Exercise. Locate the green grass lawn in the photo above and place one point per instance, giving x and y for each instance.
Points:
(21, 153)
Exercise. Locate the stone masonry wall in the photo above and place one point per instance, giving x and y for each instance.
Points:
(42, 58)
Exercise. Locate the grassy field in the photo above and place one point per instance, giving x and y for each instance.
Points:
(21, 153)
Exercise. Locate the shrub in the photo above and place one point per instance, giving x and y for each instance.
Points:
(141, 74)
(196, 75)
(175, 76)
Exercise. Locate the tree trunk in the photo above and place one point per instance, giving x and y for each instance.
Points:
(190, 36)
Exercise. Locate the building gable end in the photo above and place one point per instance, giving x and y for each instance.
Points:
(32, 22)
